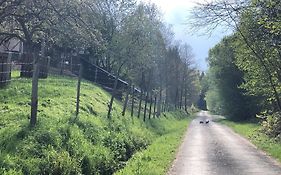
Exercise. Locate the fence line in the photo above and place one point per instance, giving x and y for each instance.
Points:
(36, 67)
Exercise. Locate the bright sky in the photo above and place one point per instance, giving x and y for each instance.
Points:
(176, 12)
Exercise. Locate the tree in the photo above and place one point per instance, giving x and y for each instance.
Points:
(225, 79)
(255, 23)
(109, 20)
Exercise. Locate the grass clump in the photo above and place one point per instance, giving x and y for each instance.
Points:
(253, 132)
(91, 144)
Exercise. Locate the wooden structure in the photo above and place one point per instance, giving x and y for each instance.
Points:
(5, 69)
(101, 76)
(44, 65)
(27, 66)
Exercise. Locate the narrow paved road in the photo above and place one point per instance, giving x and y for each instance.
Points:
(214, 149)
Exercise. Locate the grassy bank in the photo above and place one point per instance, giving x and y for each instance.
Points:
(252, 131)
(157, 158)
(91, 144)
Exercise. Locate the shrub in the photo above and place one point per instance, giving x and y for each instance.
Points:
(272, 125)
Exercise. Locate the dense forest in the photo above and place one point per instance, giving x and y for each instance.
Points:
(124, 37)
(244, 79)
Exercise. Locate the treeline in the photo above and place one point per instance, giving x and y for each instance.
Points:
(245, 68)
(126, 38)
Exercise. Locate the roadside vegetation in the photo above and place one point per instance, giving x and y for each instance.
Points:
(157, 158)
(254, 132)
(89, 144)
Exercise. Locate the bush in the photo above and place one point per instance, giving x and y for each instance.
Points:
(272, 125)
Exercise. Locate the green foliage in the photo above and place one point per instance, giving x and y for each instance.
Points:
(255, 51)
(258, 52)
(224, 95)
(272, 125)
(91, 144)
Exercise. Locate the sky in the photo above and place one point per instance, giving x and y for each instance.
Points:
(176, 12)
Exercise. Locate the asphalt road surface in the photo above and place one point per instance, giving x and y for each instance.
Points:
(214, 149)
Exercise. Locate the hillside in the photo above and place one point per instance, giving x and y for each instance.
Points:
(90, 144)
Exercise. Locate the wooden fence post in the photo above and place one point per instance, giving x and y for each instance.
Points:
(150, 106)
(9, 67)
(133, 101)
(154, 107)
(145, 106)
(78, 89)
(140, 104)
(35, 77)
(96, 74)
(185, 100)
(34, 95)
(159, 104)
(126, 101)
(112, 97)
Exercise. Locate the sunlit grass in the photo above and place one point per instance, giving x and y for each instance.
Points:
(158, 157)
(91, 144)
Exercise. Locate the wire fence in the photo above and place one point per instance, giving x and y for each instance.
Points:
(30, 68)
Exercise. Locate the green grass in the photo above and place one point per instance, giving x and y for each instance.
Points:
(157, 158)
(92, 144)
(252, 131)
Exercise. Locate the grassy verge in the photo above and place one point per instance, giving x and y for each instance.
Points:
(92, 144)
(157, 158)
(252, 131)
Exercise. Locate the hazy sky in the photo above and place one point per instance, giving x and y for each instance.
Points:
(176, 12)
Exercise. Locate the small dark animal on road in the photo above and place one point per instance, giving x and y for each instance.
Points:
(201, 122)
(207, 121)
